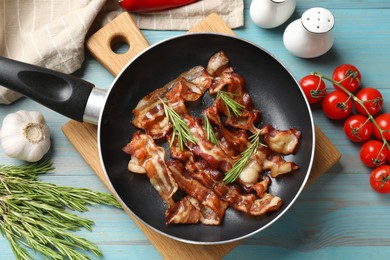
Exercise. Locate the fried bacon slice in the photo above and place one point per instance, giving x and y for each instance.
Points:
(218, 63)
(184, 212)
(272, 162)
(245, 202)
(232, 147)
(213, 208)
(262, 186)
(233, 83)
(281, 141)
(190, 211)
(149, 113)
(278, 166)
(147, 155)
(203, 148)
(231, 138)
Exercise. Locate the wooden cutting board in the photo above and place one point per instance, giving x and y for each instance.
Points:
(84, 136)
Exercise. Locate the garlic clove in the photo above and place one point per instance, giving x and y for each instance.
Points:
(34, 152)
(12, 144)
(25, 136)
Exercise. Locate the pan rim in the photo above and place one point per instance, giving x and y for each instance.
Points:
(126, 208)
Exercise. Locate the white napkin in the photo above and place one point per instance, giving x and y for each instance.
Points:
(51, 33)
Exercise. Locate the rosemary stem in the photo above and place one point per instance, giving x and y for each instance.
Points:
(34, 214)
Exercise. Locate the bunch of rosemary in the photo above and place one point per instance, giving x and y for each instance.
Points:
(34, 214)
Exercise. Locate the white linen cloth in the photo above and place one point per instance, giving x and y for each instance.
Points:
(51, 33)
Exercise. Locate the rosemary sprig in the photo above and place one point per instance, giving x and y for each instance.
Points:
(246, 155)
(209, 130)
(28, 171)
(33, 214)
(180, 128)
(230, 103)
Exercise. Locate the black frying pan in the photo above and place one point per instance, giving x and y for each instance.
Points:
(271, 86)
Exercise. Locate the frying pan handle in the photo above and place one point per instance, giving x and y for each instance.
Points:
(60, 92)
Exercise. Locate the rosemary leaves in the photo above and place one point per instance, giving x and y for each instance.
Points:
(209, 130)
(232, 106)
(180, 128)
(33, 213)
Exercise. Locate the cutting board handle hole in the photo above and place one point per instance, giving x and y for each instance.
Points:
(119, 44)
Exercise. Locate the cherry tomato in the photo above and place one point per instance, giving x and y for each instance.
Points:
(358, 128)
(380, 179)
(313, 87)
(373, 153)
(348, 76)
(383, 121)
(337, 105)
(372, 100)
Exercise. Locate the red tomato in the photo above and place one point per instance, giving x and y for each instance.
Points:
(313, 87)
(358, 128)
(337, 105)
(380, 179)
(348, 76)
(373, 153)
(372, 100)
(383, 121)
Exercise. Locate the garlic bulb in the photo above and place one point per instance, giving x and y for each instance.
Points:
(25, 136)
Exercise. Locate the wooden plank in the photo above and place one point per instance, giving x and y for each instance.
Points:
(84, 137)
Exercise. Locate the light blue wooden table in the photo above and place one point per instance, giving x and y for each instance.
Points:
(338, 217)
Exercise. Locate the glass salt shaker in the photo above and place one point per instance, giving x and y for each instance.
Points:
(311, 35)
(271, 13)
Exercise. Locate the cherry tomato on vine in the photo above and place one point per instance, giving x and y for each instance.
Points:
(383, 122)
(380, 179)
(373, 153)
(372, 100)
(313, 87)
(358, 128)
(337, 105)
(348, 76)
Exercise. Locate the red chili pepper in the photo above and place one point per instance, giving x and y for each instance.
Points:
(151, 5)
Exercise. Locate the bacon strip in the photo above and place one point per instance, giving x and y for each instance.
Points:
(269, 161)
(214, 208)
(281, 141)
(151, 158)
(218, 63)
(183, 212)
(203, 148)
(190, 211)
(247, 203)
(149, 112)
(278, 166)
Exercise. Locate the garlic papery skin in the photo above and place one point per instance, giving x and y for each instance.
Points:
(25, 136)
